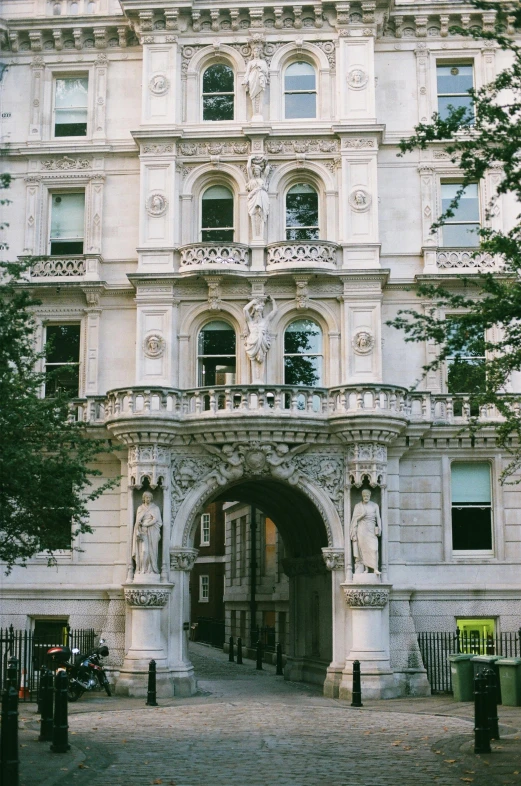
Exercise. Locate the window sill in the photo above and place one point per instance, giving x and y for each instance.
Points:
(203, 545)
(60, 555)
(473, 556)
(204, 600)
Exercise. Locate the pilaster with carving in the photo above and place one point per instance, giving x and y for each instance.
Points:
(92, 330)
(361, 321)
(101, 65)
(37, 78)
(422, 78)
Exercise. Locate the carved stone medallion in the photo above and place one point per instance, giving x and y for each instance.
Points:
(363, 342)
(360, 200)
(156, 204)
(146, 598)
(183, 559)
(357, 78)
(333, 558)
(159, 84)
(154, 345)
(374, 598)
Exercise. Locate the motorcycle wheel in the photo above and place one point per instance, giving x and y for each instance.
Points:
(74, 691)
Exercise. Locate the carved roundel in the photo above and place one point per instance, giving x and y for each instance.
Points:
(363, 342)
(154, 345)
(357, 78)
(156, 204)
(255, 460)
(159, 84)
(360, 199)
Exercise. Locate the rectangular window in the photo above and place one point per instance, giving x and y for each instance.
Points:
(67, 224)
(461, 229)
(205, 529)
(204, 589)
(70, 106)
(62, 359)
(466, 370)
(453, 83)
(471, 506)
(476, 636)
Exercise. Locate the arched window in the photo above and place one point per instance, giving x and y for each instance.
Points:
(302, 213)
(300, 91)
(217, 215)
(216, 354)
(303, 353)
(218, 93)
(57, 9)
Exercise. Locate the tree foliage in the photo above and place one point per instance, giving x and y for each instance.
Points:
(487, 304)
(45, 474)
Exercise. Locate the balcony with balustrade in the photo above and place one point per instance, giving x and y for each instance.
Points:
(71, 268)
(227, 257)
(459, 260)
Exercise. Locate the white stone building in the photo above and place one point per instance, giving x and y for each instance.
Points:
(177, 162)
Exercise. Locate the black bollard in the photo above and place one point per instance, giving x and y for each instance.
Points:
(239, 651)
(259, 656)
(60, 730)
(151, 694)
(493, 720)
(357, 685)
(481, 727)
(12, 673)
(9, 738)
(46, 701)
(230, 651)
(279, 671)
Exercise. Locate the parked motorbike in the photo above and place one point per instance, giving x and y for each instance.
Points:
(85, 672)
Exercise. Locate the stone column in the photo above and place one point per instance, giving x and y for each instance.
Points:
(182, 561)
(335, 562)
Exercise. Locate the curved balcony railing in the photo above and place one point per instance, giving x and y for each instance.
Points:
(80, 266)
(302, 254)
(236, 401)
(230, 256)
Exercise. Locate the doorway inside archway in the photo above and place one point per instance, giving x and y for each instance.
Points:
(260, 575)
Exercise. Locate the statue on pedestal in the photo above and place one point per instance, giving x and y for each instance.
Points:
(366, 528)
(257, 188)
(256, 80)
(147, 531)
(258, 340)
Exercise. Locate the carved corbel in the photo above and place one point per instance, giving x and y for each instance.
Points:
(278, 10)
(465, 21)
(183, 559)
(256, 18)
(444, 29)
(301, 291)
(172, 18)
(14, 41)
(234, 16)
(214, 292)
(368, 10)
(342, 14)
(122, 36)
(146, 20)
(421, 26)
(297, 17)
(76, 34)
(58, 40)
(196, 20)
(319, 19)
(334, 558)
(100, 38)
(35, 37)
(398, 26)
(214, 16)
(489, 21)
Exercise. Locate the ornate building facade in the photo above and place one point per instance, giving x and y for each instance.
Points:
(227, 229)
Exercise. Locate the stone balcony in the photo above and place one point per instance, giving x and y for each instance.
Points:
(82, 268)
(302, 255)
(458, 260)
(228, 257)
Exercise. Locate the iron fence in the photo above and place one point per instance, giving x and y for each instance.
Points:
(436, 646)
(30, 652)
(210, 631)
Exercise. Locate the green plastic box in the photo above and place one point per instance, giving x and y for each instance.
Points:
(462, 673)
(510, 679)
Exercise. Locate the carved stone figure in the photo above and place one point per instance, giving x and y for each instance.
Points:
(257, 186)
(258, 340)
(154, 345)
(281, 465)
(363, 342)
(256, 80)
(366, 528)
(232, 466)
(147, 530)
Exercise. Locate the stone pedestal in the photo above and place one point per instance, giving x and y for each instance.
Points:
(368, 601)
(146, 603)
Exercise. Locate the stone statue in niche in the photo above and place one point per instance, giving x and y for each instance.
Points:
(147, 531)
(256, 80)
(366, 528)
(258, 340)
(257, 187)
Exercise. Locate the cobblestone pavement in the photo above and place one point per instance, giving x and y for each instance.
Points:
(252, 728)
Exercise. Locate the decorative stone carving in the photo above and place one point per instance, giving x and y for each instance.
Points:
(374, 598)
(156, 204)
(360, 200)
(213, 148)
(145, 540)
(334, 559)
(358, 143)
(66, 163)
(329, 49)
(363, 342)
(257, 187)
(154, 345)
(256, 79)
(186, 472)
(159, 84)
(357, 78)
(365, 529)
(230, 255)
(214, 293)
(277, 146)
(151, 462)
(157, 150)
(455, 258)
(183, 559)
(316, 253)
(327, 471)
(367, 460)
(240, 459)
(303, 566)
(301, 293)
(61, 268)
(258, 339)
(142, 598)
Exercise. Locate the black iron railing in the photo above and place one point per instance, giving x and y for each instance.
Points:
(30, 653)
(210, 631)
(436, 646)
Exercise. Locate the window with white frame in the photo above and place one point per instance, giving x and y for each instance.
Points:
(70, 106)
(62, 359)
(217, 215)
(303, 353)
(216, 347)
(454, 80)
(302, 213)
(461, 229)
(67, 223)
(205, 529)
(466, 370)
(300, 91)
(471, 502)
(218, 92)
(204, 589)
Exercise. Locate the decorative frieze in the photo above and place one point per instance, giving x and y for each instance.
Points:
(367, 461)
(66, 164)
(146, 598)
(366, 597)
(285, 146)
(213, 148)
(183, 559)
(358, 143)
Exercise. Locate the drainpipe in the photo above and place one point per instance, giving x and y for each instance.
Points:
(253, 573)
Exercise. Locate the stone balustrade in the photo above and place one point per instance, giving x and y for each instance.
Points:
(231, 256)
(81, 266)
(464, 259)
(235, 401)
(302, 254)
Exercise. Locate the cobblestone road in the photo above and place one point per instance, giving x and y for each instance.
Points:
(254, 729)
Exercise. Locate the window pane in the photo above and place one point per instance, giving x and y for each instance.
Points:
(217, 213)
(71, 93)
(302, 370)
(217, 338)
(218, 107)
(454, 78)
(302, 206)
(217, 235)
(460, 235)
(302, 234)
(58, 536)
(218, 79)
(303, 336)
(63, 344)
(300, 76)
(468, 206)
(67, 216)
(471, 529)
(470, 483)
(456, 101)
(466, 376)
(300, 105)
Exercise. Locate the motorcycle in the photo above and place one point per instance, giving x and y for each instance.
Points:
(86, 673)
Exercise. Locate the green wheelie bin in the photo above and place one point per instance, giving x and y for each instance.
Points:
(510, 679)
(462, 673)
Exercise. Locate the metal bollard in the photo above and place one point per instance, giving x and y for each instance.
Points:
(9, 760)
(151, 693)
(230, 651)
(493, 720)
(12, 673)
(481, 727)
(279, 671)
(357, 685)
(60, 730)
(239, 651)
(259, 656)
(47, 702)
